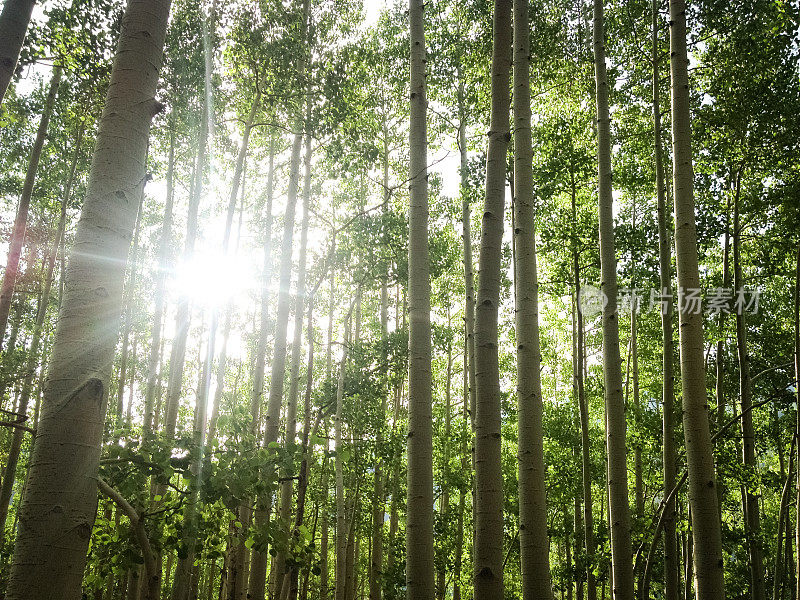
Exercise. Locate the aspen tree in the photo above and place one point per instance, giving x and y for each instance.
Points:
(488, 548)
(21, 221)
(619, 510)
(13, 25)
(419, 519)
(534, 541)
(60, 501)
(671, 560)
(705, 522)
(257, 579)
(751, 499)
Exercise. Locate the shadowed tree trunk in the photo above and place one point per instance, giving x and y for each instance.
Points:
(705, 521)
(752, 510)
(258, 560)
(294, 368)
(583, 409)
(488, 548)
(618, 509)
(129, 293)
(60, 501)
(419, 519)
(342, 531)
(671, 560)
(13, 25)
(379, 501)
(533, 538)
(257, 581)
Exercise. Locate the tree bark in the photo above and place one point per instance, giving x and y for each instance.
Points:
(671, 559)
(13, 25)
(797, 412)
(583, 409)
(719, 392)
(379, 501)
(278, 374)
(21, 221)
(294, 368)
(782, 519)
(341, 517)
(533, 538)
(60, 502)
(488, 548)
(752, 512)
(419, 520)
(258, 560)
(706, 537)
(444, 497)
(618, 509)
(290, 586)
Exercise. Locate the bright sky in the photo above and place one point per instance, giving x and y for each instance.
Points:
(372, 8)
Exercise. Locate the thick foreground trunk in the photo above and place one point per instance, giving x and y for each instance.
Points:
(706, 536)
(533, 538)
(488, 474)
(58, 510)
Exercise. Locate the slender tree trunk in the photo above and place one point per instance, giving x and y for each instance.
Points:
(183, 313)
(278, 370)
(341, 518)
(187, 572)
(699, 455)
(379, 500)
(258, 560)
(13, 25)
(324, 533)
(444, 498)
(752, 513)
(154, 355)
(720, 358)
(797, 415)
(294, 369)
(462, 495)
(469, 307)
(324, 585)
(533, 537)
(466, 238)
(419, 519)
(239, 560)
(290, 585)
(34, 354)
(637, 406)
(21, 222)
(488, 549)
(619, 510)
(583, 409)
(130, 293)
(60, 502)
(783, 517)
(671, 559)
